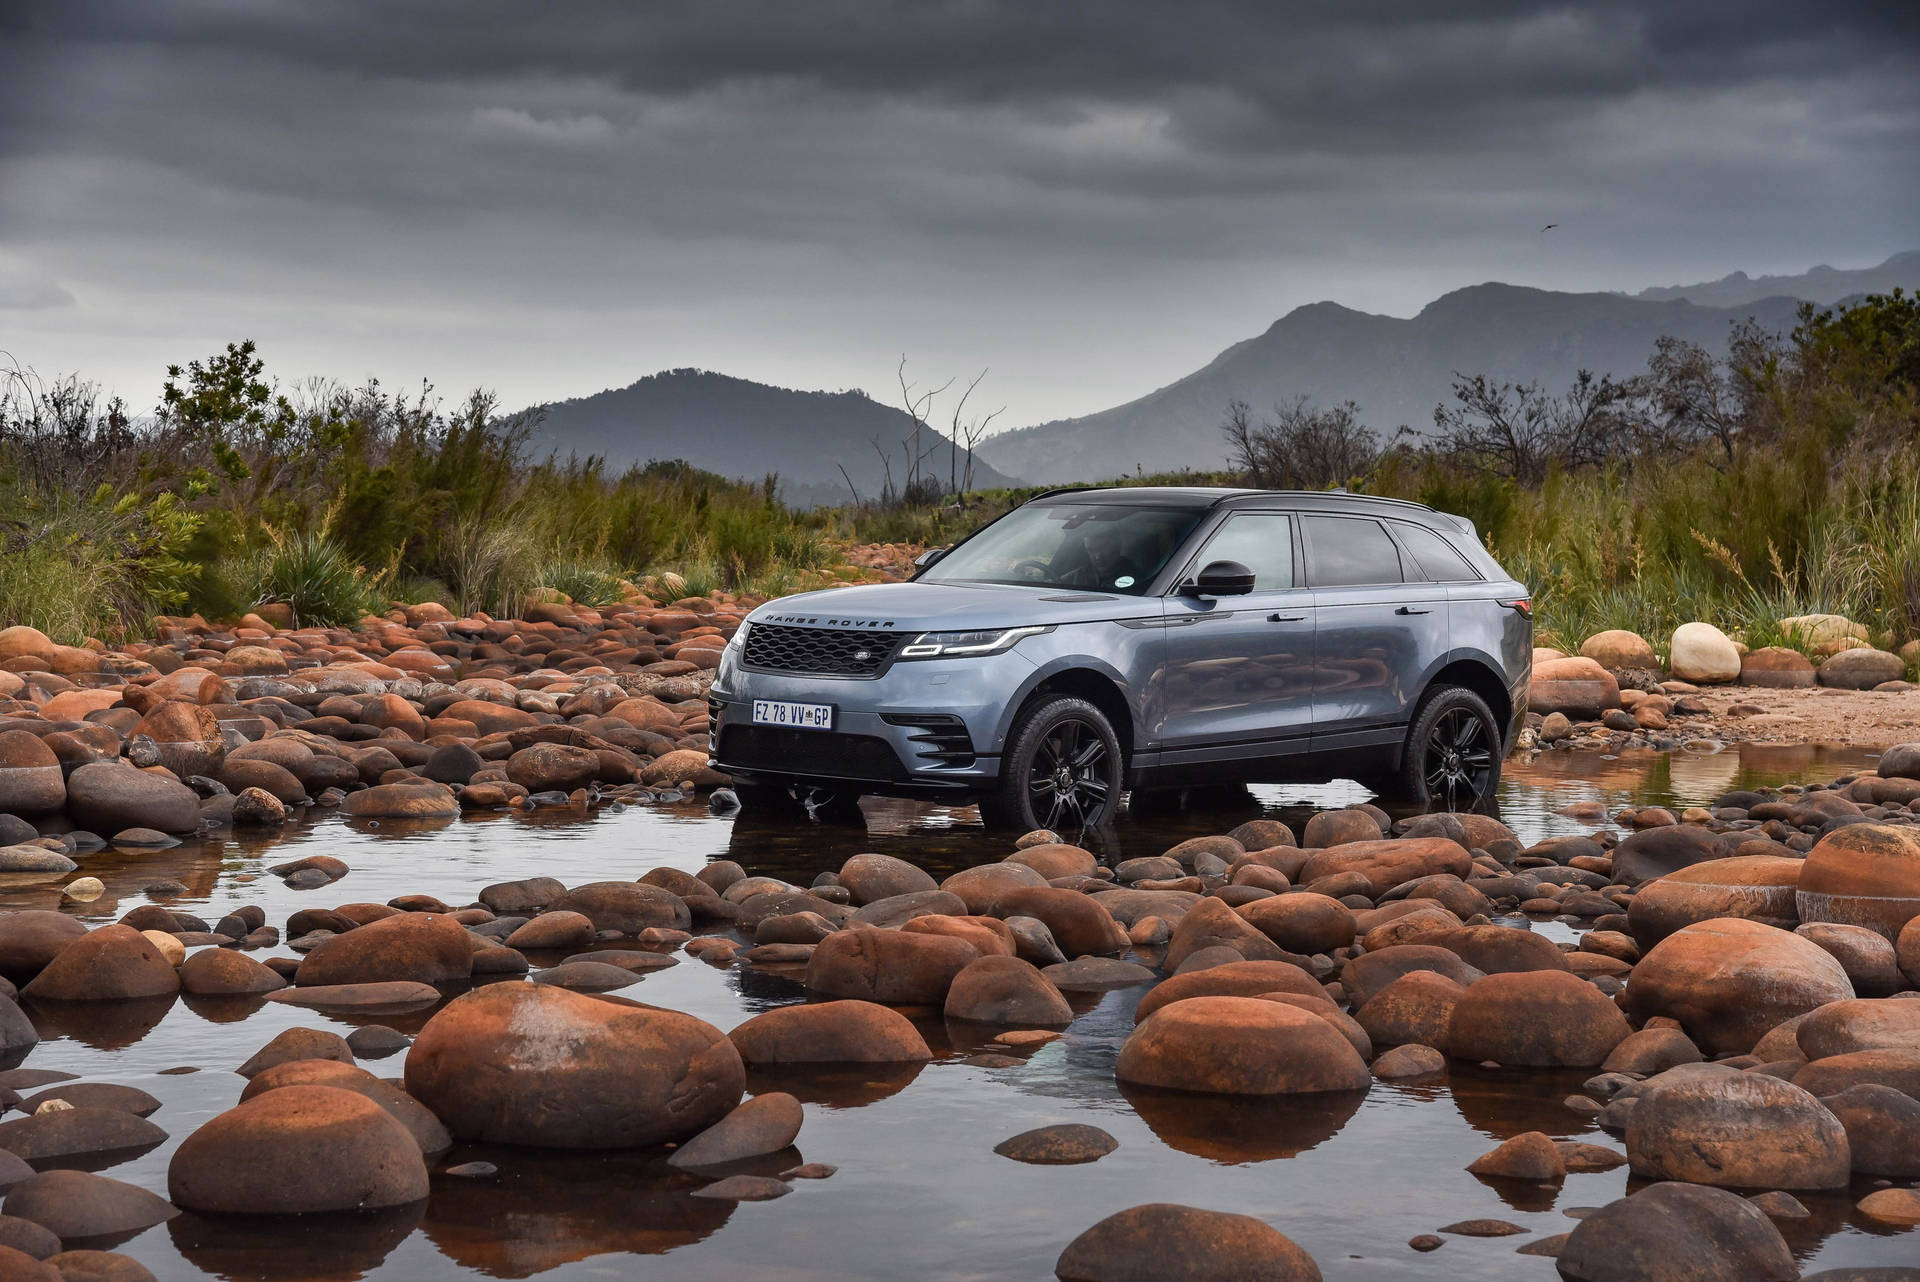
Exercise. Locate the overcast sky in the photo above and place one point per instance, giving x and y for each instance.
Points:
(1092, 199)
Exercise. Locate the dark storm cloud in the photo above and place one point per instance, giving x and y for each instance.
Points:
(799, 188)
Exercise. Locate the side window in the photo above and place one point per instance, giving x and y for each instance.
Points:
(1261, 541)
(1348, 551)
(1436, 557)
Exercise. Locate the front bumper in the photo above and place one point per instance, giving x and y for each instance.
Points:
(925, 728)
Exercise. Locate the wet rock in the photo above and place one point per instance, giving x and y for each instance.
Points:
(31, 780)
(1210, 923)
(1539, 1019)
(1865, 954)
(1676, 1232)
(1883, 1129)
(518, 898)
(1529, 1156)
(1652, 1050)
(1756, 887)
(377, 1041)
(1236, 979)
(108, 964)
(1409, 1061)
(1327, 828)
(587, 977)
(981, 887)
(427, 948)
(1385, 864)
(425, 1128)
(888, 966)
(1654, 852)
(1482, 1228)
(873, 877)
(1415, 1008)
(99, 1266)
(1500, 949)
(127, 1099)
(551, 767)
(1068, 1144)
(219, 972)
(77, 1132)
(1729, 981)
(624, 906)
(389, 994)
(297, 1043)
(1078, 925)
(1366, 975)
(989, 936)
(297, 1150)
(1899, 1207)
(1863, 874)
(764, 1124)
(744, 1188)
(1776, 667)
(108, 796)
(1737, 1130)
(1006, 990)
(831, 1032)
(1897, 1068)
(897, 910)
(1583, 1159)
(1171, 1243)
(76, 1205)
(422, 800)
(553, 930)
(1096, 974)
(31, 938)
(1863, 1024)
(527, 1064)
(1239, 1046)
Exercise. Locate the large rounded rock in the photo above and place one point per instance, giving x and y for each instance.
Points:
(764, 1124)
(546, 1067)
(1163, 1242)
(1863, 1024)
(1080, 926)
(888, 966)
(1053, 859)
(1578, 687)
(1655, 852)
(1730, 981)
(1388, 862)
(1865, 954)
(981, 887)
(186, 737)
(1499, 949)
(1234, 979)
(1676, 1232)
(31, 938)
(1619, 648)
(31, 781)
(1006, 990)
(1883, 1129)
(1239, 1046)
(869, 878)
(1535, 1019)
(1899, 1069)
(553, 767)
(426, 948)
(1757, 887)
(1737, 1130)
(1703, 654)
(219, 972)
(1302, 922)
(626, 906)
(108, 964)
(1861, 668)
(297, 1150)
(422, 800)
(1368, 974)
(1414, 1009)
(111, 796)
(1211, 923)
(425, 1128)
(1328, 828)
(1776, 667)
(843, 1032)
(76, 1205)
(1863, 875)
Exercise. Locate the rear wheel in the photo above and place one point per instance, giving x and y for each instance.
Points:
(1452, 757)
(1062, 770)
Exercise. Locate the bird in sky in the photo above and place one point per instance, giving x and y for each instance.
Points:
(1549, 227)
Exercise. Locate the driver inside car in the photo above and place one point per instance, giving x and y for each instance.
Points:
(1108, 562)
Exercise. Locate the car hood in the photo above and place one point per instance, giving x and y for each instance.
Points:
(924, 607)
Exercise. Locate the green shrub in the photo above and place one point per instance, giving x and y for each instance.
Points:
(314, 575)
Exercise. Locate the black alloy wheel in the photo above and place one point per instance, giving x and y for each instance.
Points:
(1453, 752)
(1062, 771)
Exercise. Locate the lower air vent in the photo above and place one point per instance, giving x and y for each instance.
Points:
(939, 738)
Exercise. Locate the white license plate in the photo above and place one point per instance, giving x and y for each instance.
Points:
(801, 716)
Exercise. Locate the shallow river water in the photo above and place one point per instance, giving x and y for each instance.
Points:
(919, 1192)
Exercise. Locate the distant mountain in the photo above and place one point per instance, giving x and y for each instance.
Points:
(1398, 370)
(1821, 285)
(743, 429)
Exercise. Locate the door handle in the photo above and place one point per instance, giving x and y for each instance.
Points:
(1285, 618)
(1407, 609)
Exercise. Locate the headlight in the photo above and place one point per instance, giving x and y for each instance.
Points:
(955, 645)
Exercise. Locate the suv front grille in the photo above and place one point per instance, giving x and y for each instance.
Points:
(808, 753)
(820, 652)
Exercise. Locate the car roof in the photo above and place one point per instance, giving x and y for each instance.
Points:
(1197, 496)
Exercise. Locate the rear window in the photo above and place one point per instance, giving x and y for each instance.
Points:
(1435, 555)
(1346, 551)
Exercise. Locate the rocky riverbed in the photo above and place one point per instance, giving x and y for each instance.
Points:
(1652, 1041)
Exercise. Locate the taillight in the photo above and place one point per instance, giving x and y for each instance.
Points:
(1522, 607)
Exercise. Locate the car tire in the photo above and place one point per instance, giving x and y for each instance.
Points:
(1062, 770)
(1452, 756)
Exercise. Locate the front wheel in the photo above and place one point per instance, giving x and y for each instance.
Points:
(1062, 770)
(1452, 757)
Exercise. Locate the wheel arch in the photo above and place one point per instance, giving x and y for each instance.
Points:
(1472, 671)
(1093, 682)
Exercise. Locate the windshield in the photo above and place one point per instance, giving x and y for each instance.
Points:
(1070, 545)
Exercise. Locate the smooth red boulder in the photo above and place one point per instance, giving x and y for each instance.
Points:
(1535, 1019)
(1729, 981)
(842, 1032)
(426, 948)
(297, 1150)
(1239, 1046)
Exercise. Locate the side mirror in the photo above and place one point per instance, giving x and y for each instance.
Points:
(1220, 578)
(928, 557)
